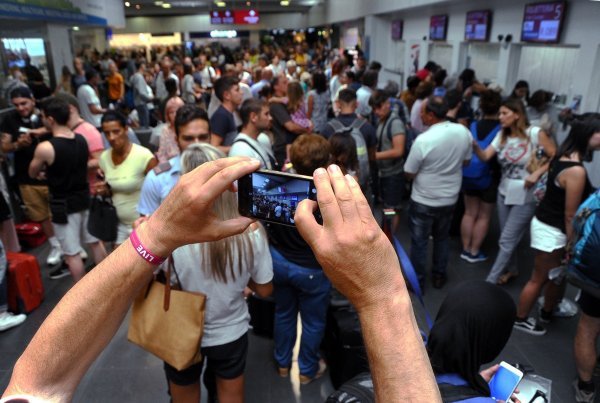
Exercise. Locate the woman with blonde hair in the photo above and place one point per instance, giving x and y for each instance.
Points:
(514, 145)
(221, 270)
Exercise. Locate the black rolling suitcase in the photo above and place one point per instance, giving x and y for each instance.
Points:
(344, 346)
(262, 315)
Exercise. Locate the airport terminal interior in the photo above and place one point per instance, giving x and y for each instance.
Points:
(399, 93)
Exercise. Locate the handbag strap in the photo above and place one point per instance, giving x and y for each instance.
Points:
(167, 295)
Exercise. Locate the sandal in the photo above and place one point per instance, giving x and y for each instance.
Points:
(506, 278)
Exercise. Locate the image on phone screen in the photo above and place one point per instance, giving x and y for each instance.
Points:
(504, 382)
(273, 196)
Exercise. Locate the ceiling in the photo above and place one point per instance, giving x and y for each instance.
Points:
(138, 8)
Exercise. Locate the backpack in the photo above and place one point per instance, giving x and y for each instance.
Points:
(583, 269)
(400, 109)
(361, 147)
(477, 175)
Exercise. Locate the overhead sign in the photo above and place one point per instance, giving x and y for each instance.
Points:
(218, 17)
(542, 22)
(235, 17)
(244, 17)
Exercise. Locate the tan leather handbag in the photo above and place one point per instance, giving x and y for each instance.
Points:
(168, 323)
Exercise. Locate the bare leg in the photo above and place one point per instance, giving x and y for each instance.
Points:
(468, 221)
(98, 251)
(481, 226)
(542, 264)
(47, 228)
(9, 236)
(76, 267)
(588, 330)
(231, 390)
(185, 394)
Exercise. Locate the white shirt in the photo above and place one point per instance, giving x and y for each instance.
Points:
(362, 98)
(436, 157)
(207, 74)
(161, 90)
(86, 95)
(226, 315)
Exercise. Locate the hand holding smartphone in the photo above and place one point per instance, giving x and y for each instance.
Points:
(504, 382)
(274, 196)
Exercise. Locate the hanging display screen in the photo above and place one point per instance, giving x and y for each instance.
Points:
(543, 22)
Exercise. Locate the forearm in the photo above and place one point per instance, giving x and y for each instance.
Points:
(389, 154)
(397, 357)
(80, 327)
(93, 164)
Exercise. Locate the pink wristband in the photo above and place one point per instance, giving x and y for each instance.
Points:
(143, 252)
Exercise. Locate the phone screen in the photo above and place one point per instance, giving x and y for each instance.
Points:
(273, 196)
(503, 383)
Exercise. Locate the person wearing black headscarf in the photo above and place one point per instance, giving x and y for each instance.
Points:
(472, 327)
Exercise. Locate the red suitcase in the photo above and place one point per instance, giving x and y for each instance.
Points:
(25, 288)
(30, 234)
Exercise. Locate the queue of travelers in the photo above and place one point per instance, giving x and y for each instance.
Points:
(442, 142)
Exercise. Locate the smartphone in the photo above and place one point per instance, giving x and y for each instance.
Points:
(274, 196)
(505, 381)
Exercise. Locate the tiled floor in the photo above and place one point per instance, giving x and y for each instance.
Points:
(126, 373)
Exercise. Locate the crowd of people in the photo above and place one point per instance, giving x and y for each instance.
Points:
(443, 142)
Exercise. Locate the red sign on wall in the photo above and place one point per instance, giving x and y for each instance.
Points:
(245, 17)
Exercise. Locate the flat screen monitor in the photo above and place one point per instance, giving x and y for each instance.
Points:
(542, 22)
(397, 26)
(478, 25)
(219, 17)
(438, 27)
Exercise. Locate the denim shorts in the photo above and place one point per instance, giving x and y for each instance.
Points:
(392, 190)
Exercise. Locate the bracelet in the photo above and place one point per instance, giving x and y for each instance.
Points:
(143, 252)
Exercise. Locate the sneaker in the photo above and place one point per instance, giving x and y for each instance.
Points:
(83, 254)
(305, 380)
(583, 396)
(545, 317)
(479, 257)
(9, 320)
(283, 372)
(530, 326)
(464, 255)
(438, 280)
(567, 308)
(54, 256)
(61, 272)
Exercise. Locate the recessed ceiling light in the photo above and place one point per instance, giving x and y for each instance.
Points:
(75, 28)
(127, 4)
(285, 3)
(166, 5)
(158, 3)
(220, 3)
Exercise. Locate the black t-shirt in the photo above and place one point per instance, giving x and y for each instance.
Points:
(222, 124)
(23, 156)
(281, 135)
(67, 176)
(291, 245)
(367, 129)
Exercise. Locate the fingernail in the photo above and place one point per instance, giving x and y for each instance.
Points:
(351, 181)
(334, 168)
(254, 160)
(320, 172)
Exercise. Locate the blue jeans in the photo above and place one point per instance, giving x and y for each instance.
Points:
(423, 222)
(143, 115)
(304, 290)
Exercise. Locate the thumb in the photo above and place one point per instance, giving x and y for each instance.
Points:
(232, 227)
(306, 223)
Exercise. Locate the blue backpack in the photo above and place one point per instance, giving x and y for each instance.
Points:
(477, 175)
(583, 269)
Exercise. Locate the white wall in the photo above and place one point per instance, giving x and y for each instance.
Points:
(60, 48)
(579, 43)
(201, 23)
